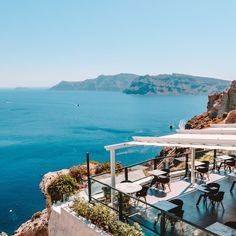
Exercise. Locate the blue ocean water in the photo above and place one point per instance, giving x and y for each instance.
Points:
(43, 130)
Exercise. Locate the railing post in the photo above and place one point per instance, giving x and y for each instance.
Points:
(120, 202)
(162, 225)
(126, 175)
(88, 176)
(186, 166)
(155, 163)
(214, 160)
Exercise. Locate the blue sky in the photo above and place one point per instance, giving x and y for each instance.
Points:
(43, 42)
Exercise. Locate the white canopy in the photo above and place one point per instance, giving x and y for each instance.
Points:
(208, 131)
(223, 125)
(215, 138)
(185, 140)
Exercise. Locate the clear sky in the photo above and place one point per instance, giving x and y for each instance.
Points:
(45, 41)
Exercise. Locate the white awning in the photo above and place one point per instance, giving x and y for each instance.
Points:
(223, 125)
(205, 141)
(208, 131)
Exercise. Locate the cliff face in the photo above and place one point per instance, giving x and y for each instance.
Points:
(175, 84)
(221, 107)
(222, 103)
(38, 224)
(117, 82)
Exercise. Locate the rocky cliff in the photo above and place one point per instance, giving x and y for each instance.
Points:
(221, 108)
(38, 224)
(117, 82)
(163, 84)
(175, 84)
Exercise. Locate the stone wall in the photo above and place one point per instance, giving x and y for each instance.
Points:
(63, 222)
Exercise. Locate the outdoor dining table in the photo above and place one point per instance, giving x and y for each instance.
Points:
(221, 229)
(129, 188)
(157, 172)
(197, 163)
(164, 206)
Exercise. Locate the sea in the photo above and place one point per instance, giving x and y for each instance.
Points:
(44, 130)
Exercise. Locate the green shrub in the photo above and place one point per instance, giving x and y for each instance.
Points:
(78, 172)
(106, 167)
(105, 218)
(62, 186)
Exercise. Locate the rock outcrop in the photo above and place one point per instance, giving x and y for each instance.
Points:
(221, 108)
(220, 104)
(36, 226)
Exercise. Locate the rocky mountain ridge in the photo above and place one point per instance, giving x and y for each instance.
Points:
(163, 84)
(102, 83)
(175, 84)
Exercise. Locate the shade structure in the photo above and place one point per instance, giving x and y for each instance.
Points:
(222, 138)
(223, 125)
(221, 130)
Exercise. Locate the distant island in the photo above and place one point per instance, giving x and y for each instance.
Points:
(163, 84)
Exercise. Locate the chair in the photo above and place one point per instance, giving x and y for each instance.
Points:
(232, 187)
(203, 169)
(177, 202)
(163, 180)
(142, 193)
(178, 211)
(217, 198)
(213, 188)
(107, 193)
(231, 224)
(125, 201)
(229, 164)
(153, 182)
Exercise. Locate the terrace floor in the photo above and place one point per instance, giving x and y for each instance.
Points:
(202, 215)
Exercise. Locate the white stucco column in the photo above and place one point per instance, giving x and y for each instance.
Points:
(193, 166)
(113, 173)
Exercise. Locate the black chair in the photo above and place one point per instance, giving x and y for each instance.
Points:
(178, 211)
(107, 193)
(231, 224)
(203, 169)
(163, 180)
(217, 198)
(177, 202)
(142, 193)
(229, 164)
(153, 182)
(232, 187)
(212, 188)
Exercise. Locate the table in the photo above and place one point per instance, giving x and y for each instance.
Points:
(221, 229)
(157, 172)
(128, 188)
(196, 163)
(165, 206)
(224, 157)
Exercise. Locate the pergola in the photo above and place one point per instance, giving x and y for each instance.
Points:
(218, 137)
